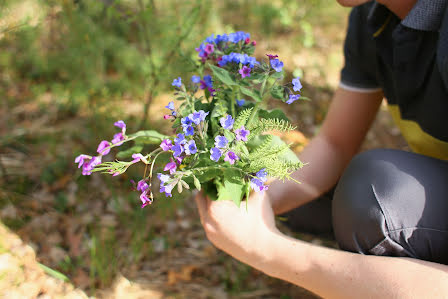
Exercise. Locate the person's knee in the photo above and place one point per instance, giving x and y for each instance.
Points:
(358, 220)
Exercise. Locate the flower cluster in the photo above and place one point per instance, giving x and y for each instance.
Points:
(221, 138)
(88, 163)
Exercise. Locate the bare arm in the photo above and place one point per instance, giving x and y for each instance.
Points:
(250, 236)
(349, 117)
(338, 274)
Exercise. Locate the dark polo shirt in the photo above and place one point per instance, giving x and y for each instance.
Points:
(408, 60)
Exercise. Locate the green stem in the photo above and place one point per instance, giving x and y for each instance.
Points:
(232, 102)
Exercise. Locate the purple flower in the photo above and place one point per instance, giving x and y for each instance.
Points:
(118, 139)
(227, 122)
(163, 178)
(170, 106)
(142, 186)
(179, 159)
(240, 103)
(257, 185)
(166, 145)
(297, 86)
(188, 130)
(199, 116)
(209, 48)
(88, 167)
(177, 82)
(215, 154)
(120, 124)
(80, 159)
(277, 65)
(206, 82)
(166, 189)
(231, 157)
(241, 134)
(245, 72)
(190, 148)
(138, 158)
(195, 79)
(103, 147)
(145, 199)
(221, 141)
(271, 56)
(180, 139)
(262, 174)
(293, 98)
(177, 149)
(171, 166)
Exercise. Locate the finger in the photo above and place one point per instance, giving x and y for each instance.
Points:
(201, 203)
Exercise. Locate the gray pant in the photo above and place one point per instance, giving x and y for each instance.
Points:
(387, 202)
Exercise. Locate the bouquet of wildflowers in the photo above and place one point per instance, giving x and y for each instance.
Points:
(221, 141)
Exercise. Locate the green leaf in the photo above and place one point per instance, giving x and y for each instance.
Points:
(128, 153)
(254, 94)
(54, 273)
(148, 137)
(277, 75)
(278, 92)
(176, 123)
(270, 114)
(231, 190)
(222, 75)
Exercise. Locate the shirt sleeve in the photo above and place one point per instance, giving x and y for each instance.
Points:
(360, 71)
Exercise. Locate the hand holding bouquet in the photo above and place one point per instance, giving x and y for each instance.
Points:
(221, 141)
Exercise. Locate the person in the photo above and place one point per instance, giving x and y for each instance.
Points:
(389, 210)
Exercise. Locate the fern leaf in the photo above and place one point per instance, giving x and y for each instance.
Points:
(242, 118)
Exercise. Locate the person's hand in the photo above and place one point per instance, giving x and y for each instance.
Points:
(243, 233)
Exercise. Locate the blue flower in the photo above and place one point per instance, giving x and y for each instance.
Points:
(177, 149)
(262, 175)
(180, 139)
(198, 116)
(164, 178)
(297, 86)
(188, 130)
(277, 65)
(227, 122)
(177, 82)
(195, 79)
(186, 121)
(292, 98)
(208, 81)
(221, 141)
(190, 148)
(240, 102)
(170, 106)
(258, 185)
(166, 189)
(241, 134)
(215, 154)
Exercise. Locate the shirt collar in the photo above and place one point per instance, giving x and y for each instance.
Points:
(426, 15)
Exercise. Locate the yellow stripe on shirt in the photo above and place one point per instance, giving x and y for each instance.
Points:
(419, 141)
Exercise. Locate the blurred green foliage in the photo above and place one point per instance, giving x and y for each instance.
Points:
(111, 48)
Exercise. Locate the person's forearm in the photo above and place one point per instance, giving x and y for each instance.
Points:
(346, 124)
(326, 165)
(337, 274)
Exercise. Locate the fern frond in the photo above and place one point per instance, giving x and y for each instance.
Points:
(242, 118)
(268, 151)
